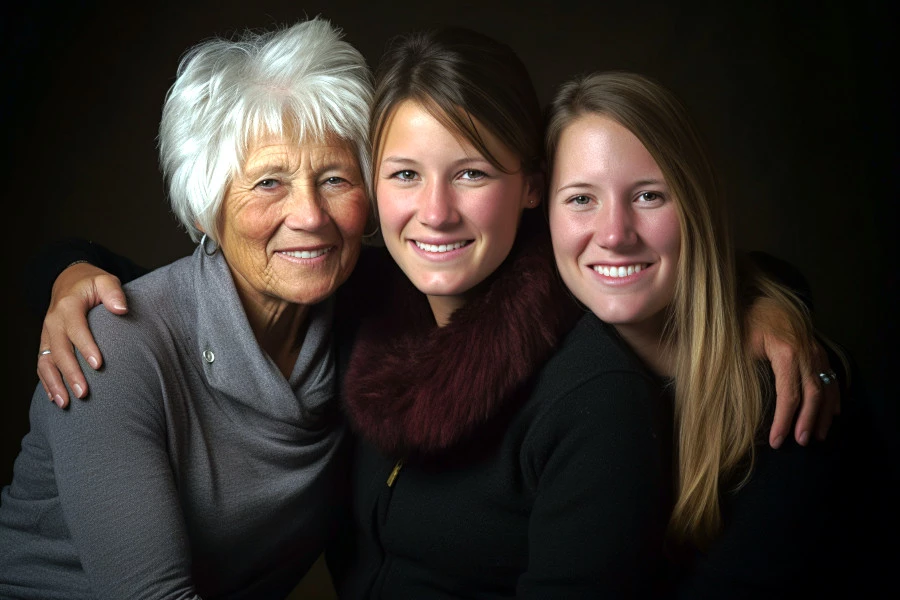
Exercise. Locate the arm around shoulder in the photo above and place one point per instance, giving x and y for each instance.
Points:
(44, 266)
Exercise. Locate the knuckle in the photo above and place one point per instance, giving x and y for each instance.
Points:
(67, 303)
(790, 399)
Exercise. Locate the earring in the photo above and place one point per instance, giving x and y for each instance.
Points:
(373, 233)
(212, 243)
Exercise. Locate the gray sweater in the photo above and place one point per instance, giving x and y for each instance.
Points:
(194, 468)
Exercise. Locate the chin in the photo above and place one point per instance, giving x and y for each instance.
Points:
(309, 296)
(617, 315)
(435, 286)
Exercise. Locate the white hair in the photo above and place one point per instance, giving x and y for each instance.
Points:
(302, 82)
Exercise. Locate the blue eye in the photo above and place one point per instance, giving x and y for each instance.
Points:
(335, 180)
(268, 184)
(580, 200)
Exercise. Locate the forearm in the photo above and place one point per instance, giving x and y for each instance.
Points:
(45, 266)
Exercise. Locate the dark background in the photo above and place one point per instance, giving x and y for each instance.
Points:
(797, 103)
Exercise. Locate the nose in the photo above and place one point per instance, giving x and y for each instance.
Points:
(615, 226)
(304, 209)
(437, 207)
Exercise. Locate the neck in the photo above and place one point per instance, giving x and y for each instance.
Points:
(443, 307)
(279, 328)
(647, 341)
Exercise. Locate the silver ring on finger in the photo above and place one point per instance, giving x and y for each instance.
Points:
(828, 377)
(45, 352)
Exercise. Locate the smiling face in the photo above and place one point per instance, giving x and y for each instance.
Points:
(614, 225)
(291, 224)
(448, 216)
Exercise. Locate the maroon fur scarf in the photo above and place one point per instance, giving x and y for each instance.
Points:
(414, 389)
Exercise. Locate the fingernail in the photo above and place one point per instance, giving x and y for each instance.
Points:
(777, 443)
(78, 390)
(57, 399)
(119, 306)
(92, 360)
(804, 438)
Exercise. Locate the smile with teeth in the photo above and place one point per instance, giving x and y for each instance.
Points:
(308, 253)
(621, 271)
(441, 247)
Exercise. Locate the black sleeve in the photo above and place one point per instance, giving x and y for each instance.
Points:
(775, 268)
(45, 266)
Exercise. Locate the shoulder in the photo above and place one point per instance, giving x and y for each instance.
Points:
(789, 481)
(593, 362)
(787, 519)
(170, 284)
(156, 302)
(146, 341)
(595, 393)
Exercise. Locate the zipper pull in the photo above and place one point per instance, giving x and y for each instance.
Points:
(394, 472)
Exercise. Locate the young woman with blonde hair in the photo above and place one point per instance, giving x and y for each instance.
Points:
(641, 239)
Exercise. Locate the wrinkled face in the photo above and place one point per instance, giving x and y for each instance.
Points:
(291, 224)
(614, 224)
(448, 216)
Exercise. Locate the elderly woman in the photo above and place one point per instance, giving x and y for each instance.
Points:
(207, 461)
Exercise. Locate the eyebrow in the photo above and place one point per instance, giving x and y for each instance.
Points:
(403, 160)
(640, 182)
(398, 159)
(269, 166)
(336, 166)
(584, 184)
(576, 184)
(278, 167)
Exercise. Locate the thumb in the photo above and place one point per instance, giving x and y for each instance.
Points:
(109, 292)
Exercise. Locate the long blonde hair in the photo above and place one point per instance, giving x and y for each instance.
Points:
(719, 387)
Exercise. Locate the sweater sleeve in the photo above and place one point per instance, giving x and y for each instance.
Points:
(603, 492)
(44, 267)
(114, 474)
